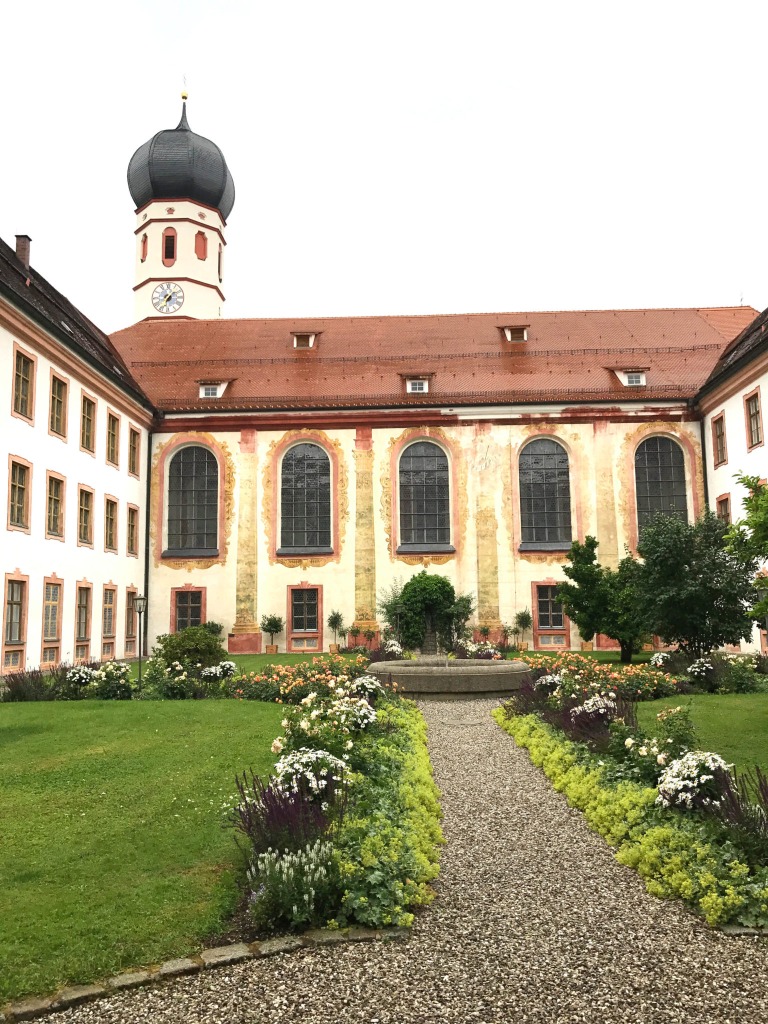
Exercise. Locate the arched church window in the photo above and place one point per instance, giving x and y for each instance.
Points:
(660, 480)
(201, 245)
(424, 491)
(305, 500)
(545, 496)
(169, 247)
(193, 503)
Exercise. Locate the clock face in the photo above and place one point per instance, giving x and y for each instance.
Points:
(168, 298)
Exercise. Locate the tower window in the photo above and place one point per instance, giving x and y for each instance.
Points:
(144, 244)
(169, 247)
(221, 260)
(201, 245)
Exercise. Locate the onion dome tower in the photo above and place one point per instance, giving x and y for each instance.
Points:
(183, 192)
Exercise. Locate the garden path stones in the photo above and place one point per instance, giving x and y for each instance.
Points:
(534, 922)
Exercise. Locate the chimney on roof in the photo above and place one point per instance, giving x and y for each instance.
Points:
(22, 249)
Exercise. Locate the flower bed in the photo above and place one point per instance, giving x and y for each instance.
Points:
(577, 675)
(679, 856)
(347, 828)
(290, 684)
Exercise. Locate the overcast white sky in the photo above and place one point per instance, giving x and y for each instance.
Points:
(404, 157)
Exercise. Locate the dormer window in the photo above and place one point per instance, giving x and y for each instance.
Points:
(517, 332)
(416, 385)
(304, 340)
(631, 378)
(212, 389)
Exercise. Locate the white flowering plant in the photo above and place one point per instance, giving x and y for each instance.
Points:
(224, 670)
(392, 649)
(327, 723)
(113, 681)
(316, 773)
(690, 781)
(295, 888)
(659, 659)
(365, 686)
(480, 649)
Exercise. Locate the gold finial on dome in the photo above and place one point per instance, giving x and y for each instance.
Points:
(185, 95)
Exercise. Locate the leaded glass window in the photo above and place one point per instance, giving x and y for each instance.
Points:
(660, 480)
(425, 514)
(193, 502)
(545, 495)
(304, 610)
(305, 499)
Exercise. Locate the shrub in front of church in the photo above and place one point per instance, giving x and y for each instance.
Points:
(582, 677)
(194, 645)
(290, 684)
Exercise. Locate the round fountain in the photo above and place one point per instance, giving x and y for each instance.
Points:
(436, 674)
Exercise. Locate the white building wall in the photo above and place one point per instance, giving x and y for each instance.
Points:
(30, 553)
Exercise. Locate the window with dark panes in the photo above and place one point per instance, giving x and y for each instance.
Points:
(132, 533)
(189, 608)
(55, 510)
(754, 424)
(110, 525)
(83, 613)
(304, 610)
(58, 417)
(19, 508)
(85, 517)
(660, 480)
(549, 609)
(545, 495)
(425, 514)
(14, 612)
(51, 608)
(108, 613)
(133, 451)
(22, 386)
(724, 509)
(193, 502)
(87, 424)
(113, 439)
(719, 435)
(305, 500)
(130, 615)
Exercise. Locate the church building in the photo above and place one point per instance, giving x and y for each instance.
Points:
(302, 466)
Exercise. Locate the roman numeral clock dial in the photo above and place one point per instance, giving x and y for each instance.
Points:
(168, 298)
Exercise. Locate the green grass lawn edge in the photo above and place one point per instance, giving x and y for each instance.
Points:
(670, 852)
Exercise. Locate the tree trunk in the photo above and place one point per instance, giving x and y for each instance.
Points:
(626, 652)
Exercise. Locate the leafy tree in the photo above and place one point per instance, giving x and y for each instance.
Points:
(748, 538)
(523, 622)
(603, 600)
(696, 592)
(272, 624)
(336, 623)
(429, 602)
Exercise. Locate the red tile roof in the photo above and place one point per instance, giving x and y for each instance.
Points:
(361, 361)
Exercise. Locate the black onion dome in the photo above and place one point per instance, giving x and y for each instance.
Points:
(178, 164)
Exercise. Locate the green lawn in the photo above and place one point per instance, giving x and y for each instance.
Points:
(734, 725)
(112, 852)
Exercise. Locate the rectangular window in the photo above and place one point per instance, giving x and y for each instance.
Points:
(549, 608)
(55, 512)
(635, 379)
(718, 440)
(130, 615)
(88, 425)
(415, 386)
(133, 451)
(58, 415)
(85, 517)
(23, 386)
(304, 610)
(113, 439)
(210, 391)
(754, 420)
(108, 612)
(189, 608)
(52, 612)
(132, 542)
(18, 512)
(110, 525)
(83, 619)
(724, 508)
(14, 612)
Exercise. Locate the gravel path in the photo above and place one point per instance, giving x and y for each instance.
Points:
(533, 922)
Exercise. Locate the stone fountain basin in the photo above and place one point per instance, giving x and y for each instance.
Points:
(438, 674)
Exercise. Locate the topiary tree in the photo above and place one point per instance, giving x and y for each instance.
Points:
(194, 645)
(336, 623)
(429, 603)
(523, 622)
(272, 624)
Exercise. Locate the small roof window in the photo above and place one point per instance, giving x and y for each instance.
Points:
(417, 385)
(212, 388)
(301, 340)
(515, 332)
(631, 378)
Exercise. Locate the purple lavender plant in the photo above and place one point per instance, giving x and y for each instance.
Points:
(269, 817)
(741, 806)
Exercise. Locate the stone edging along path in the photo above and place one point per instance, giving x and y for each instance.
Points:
(221, 956)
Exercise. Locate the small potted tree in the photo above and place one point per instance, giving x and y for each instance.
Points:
(273, 625)
(354, 633)
(336, 623)
(370, 635)
(523, 621)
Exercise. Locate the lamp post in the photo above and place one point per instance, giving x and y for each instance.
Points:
(140, 604)
(398, 609)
